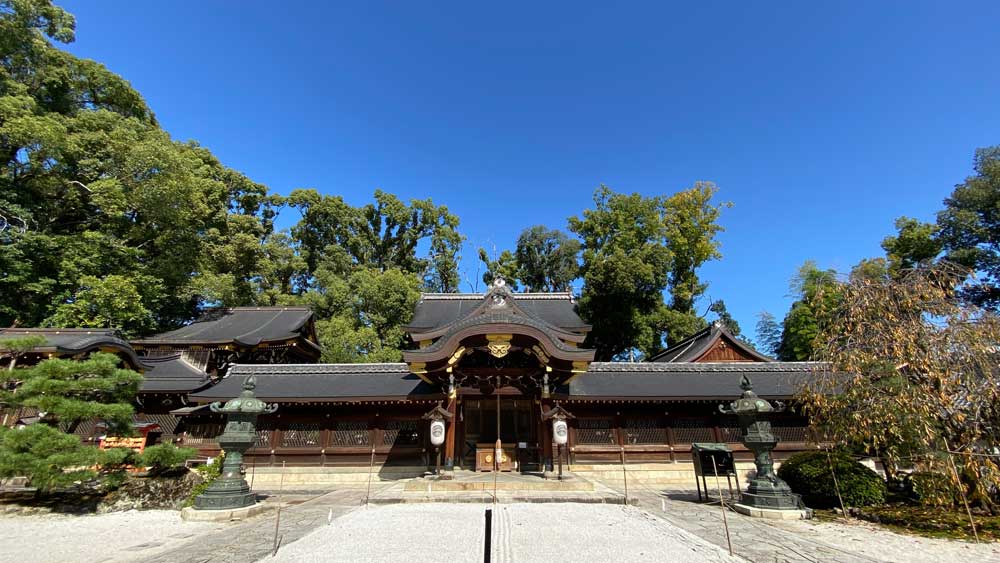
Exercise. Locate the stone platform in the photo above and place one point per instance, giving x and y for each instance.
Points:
(471, 487)
(469, 481)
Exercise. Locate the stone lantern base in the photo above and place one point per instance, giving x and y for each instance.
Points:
(774, 514)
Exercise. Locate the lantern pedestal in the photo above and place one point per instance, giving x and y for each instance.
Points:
(767, 493)
(230, 491)
(774, 514)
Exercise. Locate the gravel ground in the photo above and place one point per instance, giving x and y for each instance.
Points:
(863, 538)
(415, 533)
(117, 536)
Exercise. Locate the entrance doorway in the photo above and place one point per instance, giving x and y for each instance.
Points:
(518, 432)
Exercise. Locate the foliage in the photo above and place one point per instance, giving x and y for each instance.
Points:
(818, 293)
(635, 248)
(503, 265)
(932, 521)
(111, 302)
(209, 473)
(913, 372)
(70, 391)
(768, 333)
(382, 235)
(363, 315)
(47, 457)
(915, 243)
(111, 221)
(14, 348)
(546, 259)
(933, 489)
(727, 320)
(969, 226)
(162, 457)
(809, 474)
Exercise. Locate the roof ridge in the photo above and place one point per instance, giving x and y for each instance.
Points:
(514, 294)
(685, 367)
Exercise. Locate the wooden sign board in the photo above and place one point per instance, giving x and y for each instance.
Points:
(137, 444)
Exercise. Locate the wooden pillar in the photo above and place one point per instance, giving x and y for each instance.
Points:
(449, 439)
(546, 437)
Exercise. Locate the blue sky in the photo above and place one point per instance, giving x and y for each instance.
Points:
(821, 123)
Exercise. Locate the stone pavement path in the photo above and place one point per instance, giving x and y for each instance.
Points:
(253, 539)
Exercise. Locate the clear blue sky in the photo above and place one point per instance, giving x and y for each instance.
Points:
(822, 124)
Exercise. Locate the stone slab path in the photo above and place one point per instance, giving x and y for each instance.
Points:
(428, 533)
(254, 539)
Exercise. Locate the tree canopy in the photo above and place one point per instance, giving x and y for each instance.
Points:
(634, 249)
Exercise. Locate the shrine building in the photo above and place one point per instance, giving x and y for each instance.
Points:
(497, 363)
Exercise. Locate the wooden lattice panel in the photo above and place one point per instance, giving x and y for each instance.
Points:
(644, 431)
(596, 431)
(351, 433)
(401, 433)
(689, 431)
(301, 435)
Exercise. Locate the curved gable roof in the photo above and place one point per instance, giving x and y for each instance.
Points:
(699, 346)
(247, 326)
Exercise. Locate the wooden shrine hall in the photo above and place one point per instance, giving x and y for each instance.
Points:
(497, 363)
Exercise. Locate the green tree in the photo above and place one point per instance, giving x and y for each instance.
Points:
(380, 235)
(727, 320)
(915, 243)
(504, 265)
(71, 391)
(14, 348)
(93, 189)
(768, 333)
(47, 457)
(969, 226)
(634, 249)
(110, 302)
(546, 259)
(818, 293)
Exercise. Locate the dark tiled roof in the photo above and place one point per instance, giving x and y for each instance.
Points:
(72, 341)
(435, 310)
(691, 380)
(322, 382)
(166, 374)
(692, 347)
(248, 326)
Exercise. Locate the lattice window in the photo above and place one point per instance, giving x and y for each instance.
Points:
(401, 433)
(596, 431)
(203, 433)
(690, 430)
(301, 435)
(351, 433)
(790, 433)
(730, 432)
(644, 431)
(265, 429)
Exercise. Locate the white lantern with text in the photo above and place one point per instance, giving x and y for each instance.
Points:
(437, 432)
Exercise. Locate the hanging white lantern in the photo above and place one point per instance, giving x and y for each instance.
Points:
(560, 432)
(437, 432)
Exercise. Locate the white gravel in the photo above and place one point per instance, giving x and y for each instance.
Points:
(431, 532)
(113, 537)
(880, 544)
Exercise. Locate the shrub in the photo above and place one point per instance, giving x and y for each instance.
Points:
(209, 472)
(163, 457)
(809, 475)
(49, 458)
(932, 489)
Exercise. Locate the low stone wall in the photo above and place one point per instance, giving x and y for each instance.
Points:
(319, 478)
(680, 474)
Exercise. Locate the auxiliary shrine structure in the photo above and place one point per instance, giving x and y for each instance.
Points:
(495, 364)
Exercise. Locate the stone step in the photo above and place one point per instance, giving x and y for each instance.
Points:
(433, 486)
